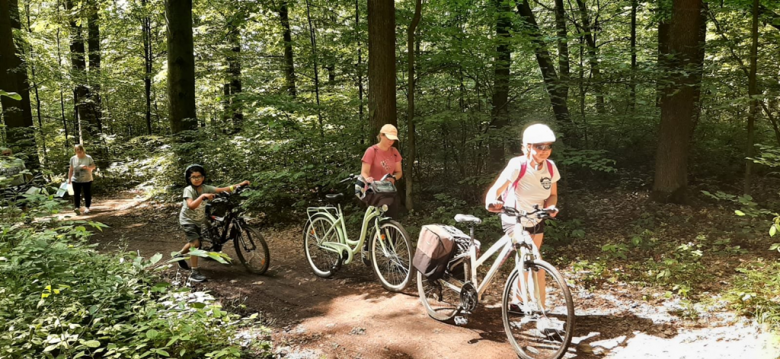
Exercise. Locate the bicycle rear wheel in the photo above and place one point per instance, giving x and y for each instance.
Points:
(391, 256)
(539, 330)
(440, 299)
(252, 250)
(324, 262)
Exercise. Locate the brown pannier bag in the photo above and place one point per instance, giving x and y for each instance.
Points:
(435, 248)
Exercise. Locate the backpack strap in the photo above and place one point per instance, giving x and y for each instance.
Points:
(511, 192)
(550, 169)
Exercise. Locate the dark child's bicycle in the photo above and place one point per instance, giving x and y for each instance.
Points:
(250, 246)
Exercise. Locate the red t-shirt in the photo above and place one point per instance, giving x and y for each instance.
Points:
(382, 162)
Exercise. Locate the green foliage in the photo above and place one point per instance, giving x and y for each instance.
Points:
(592, 273)
(562, 232)
(594, 160)
(680, 270)
(754, 291)
(59, 298)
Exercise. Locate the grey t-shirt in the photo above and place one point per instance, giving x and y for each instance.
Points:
(81, 175)
(195, 216)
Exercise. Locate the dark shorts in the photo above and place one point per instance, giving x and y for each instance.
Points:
(192, 232)
(509, 228)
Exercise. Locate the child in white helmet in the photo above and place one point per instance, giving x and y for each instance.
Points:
(530, 179)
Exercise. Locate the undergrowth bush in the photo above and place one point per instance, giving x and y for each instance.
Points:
(754, 292)
(60, 298)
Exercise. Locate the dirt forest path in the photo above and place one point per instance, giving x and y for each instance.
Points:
(351, 316)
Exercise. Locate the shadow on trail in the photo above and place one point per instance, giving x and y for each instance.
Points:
(594, 335)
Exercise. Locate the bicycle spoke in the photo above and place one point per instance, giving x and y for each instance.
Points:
(542, 328)
(391, 256)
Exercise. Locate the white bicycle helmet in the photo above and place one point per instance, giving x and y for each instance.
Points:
(538, 133)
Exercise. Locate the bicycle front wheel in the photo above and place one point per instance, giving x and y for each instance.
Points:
(323, 261)
(391, 256)
(252, 250)
(541, 328)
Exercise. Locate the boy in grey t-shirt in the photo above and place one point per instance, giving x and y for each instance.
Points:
(193, 216)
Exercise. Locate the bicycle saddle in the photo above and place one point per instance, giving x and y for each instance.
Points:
(334, 196)
(467, 218)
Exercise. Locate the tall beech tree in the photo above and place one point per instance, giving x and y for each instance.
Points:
(181, 66)
(17, 114)
(381, 65)
(412, 154)
(683, 44)
(500, 113)
(289, 63)
(553, 84)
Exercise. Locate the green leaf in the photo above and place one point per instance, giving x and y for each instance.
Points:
(12, 95)
(152, 334)
(162, 352)
(92, 343)
(772, 230)
(739, 213)
(155, 258)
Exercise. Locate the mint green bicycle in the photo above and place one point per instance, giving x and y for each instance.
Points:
(328, 247)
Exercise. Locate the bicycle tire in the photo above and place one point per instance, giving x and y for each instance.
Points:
(538, 332)
(396, 260)
(252, 250)
(323, 262)
(441, 302)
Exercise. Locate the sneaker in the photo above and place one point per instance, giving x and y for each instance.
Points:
(182, 263)
(549, 327)
(197, 277)
(86, 210)
(514, 308)
(77, 210)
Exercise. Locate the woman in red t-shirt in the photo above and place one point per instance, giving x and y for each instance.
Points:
(383, 159)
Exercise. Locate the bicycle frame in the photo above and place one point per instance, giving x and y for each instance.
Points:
(504, 248)
(339, 226)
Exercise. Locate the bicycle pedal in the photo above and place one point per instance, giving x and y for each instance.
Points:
(460, 320)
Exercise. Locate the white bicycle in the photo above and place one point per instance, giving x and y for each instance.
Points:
(536, 305)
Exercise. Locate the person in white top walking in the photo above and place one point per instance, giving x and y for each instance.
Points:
(529, 180)
(80, 176)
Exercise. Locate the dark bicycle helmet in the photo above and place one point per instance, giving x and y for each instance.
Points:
(193, 168)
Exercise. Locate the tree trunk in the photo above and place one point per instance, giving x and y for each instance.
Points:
(680, 99)
(83, 103)
(359, 71)
(499, 113)
(563, 48)
(410, 156)
(146, 34)
(381, 65)
(289, 65)
(93, 32)
(234, 67)
(33, 79)
(752, 93)
(632, 85)
(313, 38)
(17, 114)
(663, 46)
(595, 69)
(60, 81)
(181, 66)
(551, 80)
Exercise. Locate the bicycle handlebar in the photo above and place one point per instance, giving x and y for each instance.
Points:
(349, 178)
(541, 213)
